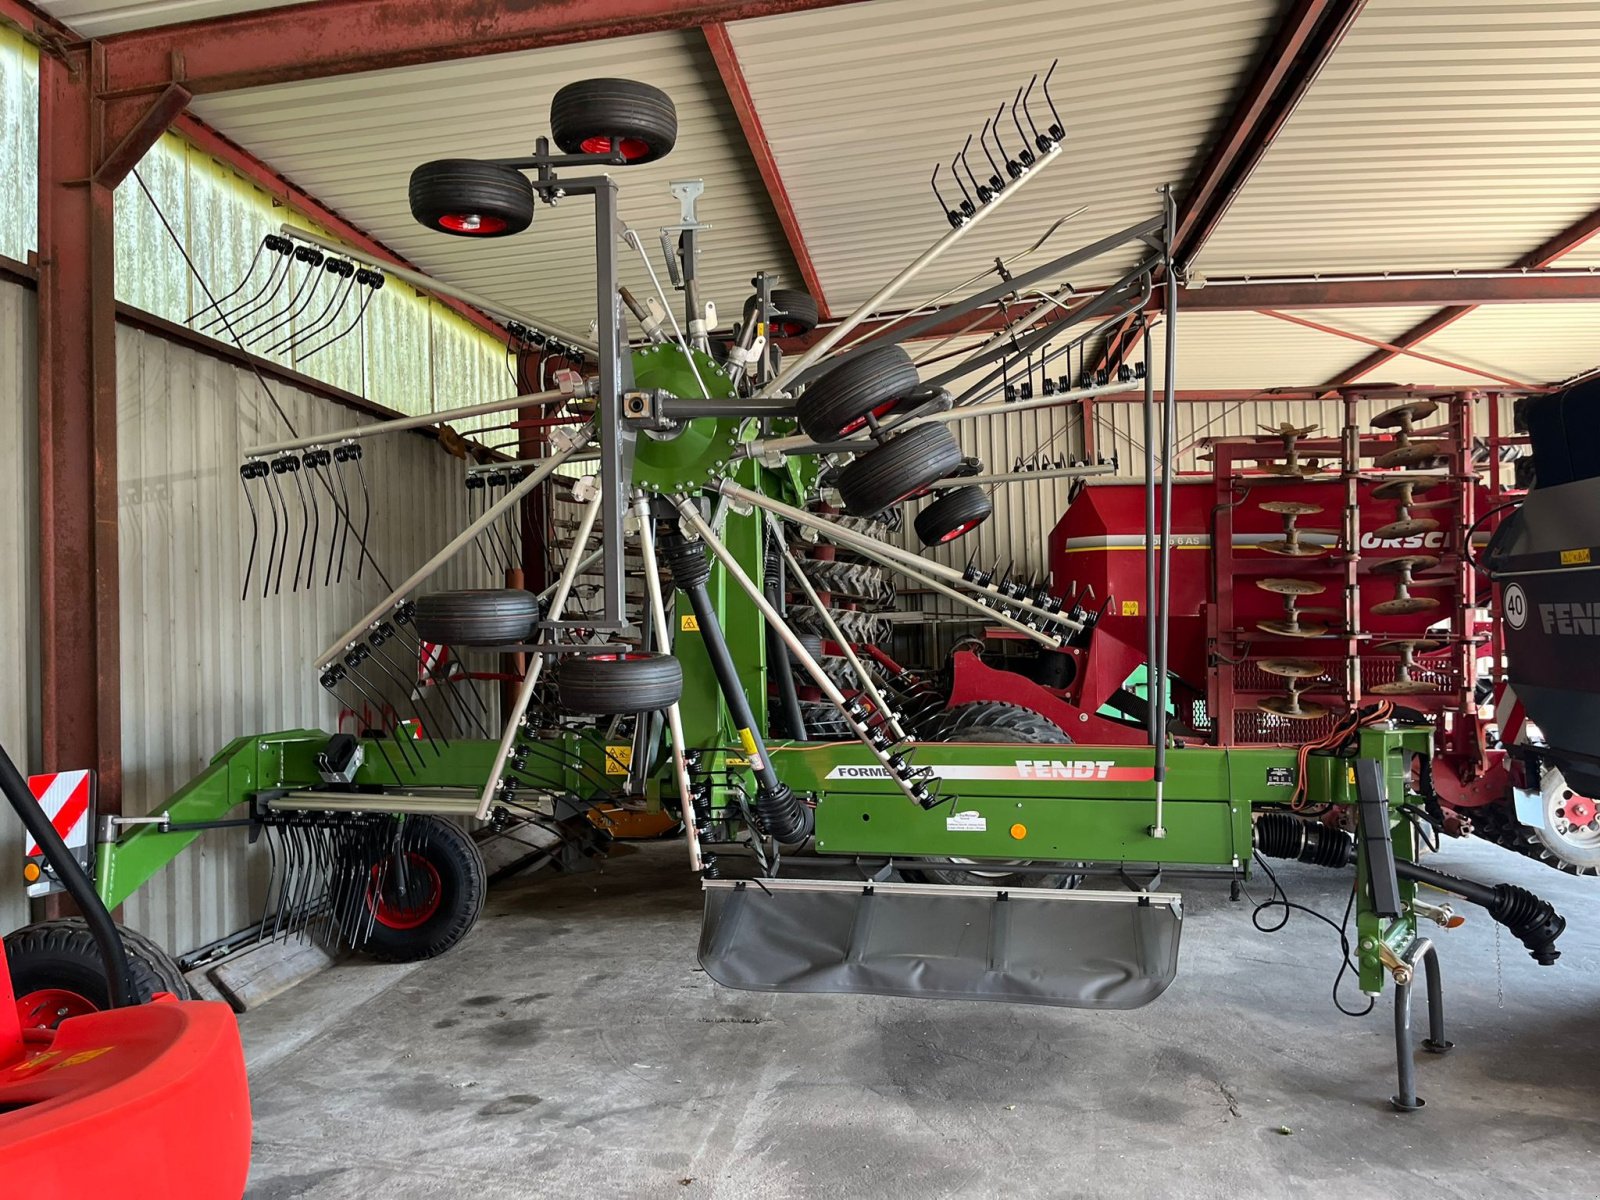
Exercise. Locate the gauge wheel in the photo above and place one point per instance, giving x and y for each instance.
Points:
(620, 683)
(953, 513)
(477, 617)
(838, 402)
(605, 116)
(793, 313)
(424, 893)
(57, 971)
(991, 722)
(468, 198)
(905, 465)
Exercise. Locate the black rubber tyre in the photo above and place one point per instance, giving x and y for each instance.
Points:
(588, 116)
(955, 512)
(793, 313)
(477, 617)
(62, 956)
(992, 722)
(435, 904)
(837, 402)
(609, 684)
(468, 198)
(813, 645)
(906, 465)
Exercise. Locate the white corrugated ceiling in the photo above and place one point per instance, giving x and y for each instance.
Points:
(859, 102)
(1534, 343)
(99, 18)
(1442, 134)
(352, 142)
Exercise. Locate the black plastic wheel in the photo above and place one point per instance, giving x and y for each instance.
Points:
(477, 617)
(57, 971)
(793, 312)
(953, 513)
(608, 684)
(906, 465)
(838, 402)
(993, 722)
(595, 115)
(426, 897)
(468, 198)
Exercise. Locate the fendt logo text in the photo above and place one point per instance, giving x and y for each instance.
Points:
(1047, 768)
(1569, 619)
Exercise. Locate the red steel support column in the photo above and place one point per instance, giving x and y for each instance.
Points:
(79, 645)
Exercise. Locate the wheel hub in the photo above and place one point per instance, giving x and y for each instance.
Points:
(46, 1008)
(1570, 836)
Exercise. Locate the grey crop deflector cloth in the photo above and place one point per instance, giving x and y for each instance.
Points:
(1078, 949)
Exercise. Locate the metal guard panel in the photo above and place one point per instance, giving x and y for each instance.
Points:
(1073, 949)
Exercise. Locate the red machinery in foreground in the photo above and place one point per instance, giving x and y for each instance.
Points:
(1316, 574)
(140, 1100)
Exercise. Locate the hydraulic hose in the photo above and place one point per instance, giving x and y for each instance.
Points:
(1532, 921)
(781, 812)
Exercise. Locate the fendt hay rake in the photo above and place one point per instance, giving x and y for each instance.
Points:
(942, 858)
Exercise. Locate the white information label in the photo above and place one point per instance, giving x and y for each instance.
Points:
(966, 822)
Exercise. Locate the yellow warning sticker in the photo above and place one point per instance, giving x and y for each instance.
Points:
(618, 759)
(1352, 779)
(748, 741)
(1130, 608)
(689, 624)
(1572, 557)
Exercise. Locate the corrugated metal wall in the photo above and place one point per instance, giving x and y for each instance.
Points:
(19, 543)
(19, 144)
(198, 666)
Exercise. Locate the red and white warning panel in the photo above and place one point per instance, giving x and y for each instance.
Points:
(67, 798)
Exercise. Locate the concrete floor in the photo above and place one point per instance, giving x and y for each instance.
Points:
(570, 1047)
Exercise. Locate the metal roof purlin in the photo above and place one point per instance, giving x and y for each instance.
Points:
(1304, 41)
(1568, 240)
(342, 37)
(744, 108)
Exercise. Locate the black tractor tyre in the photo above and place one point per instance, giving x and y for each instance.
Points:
(905, 465)
(953, 513)
(993, 722)
(838, 402)
(793, 312)
(612, 684)
(62, 957)
(477, 617)
(593, 115)
(437, 902)
(468, 198)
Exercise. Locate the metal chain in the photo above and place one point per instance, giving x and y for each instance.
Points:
(1499, 977)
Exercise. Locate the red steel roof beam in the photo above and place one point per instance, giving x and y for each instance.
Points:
(1543, 255)
(343, 37)
(755, 136)
(1301, 47)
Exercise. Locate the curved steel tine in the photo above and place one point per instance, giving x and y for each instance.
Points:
(307, 288)
(288, 527)
(274, 282)
(323, 318)
(983, 192)
(288, 318)
(366, 511)
(381, 661)
(373, 282)
(292, 465)
(1025, 155)
(217, 304)
(997, 181)
(234, 319)
(341, 455)
(1058, 129)
(967, 205)
(414, 692)
(246, 474)
(951, 213)
(310, 462)
(474, 485)
(1027, 112)
(1013, 167)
